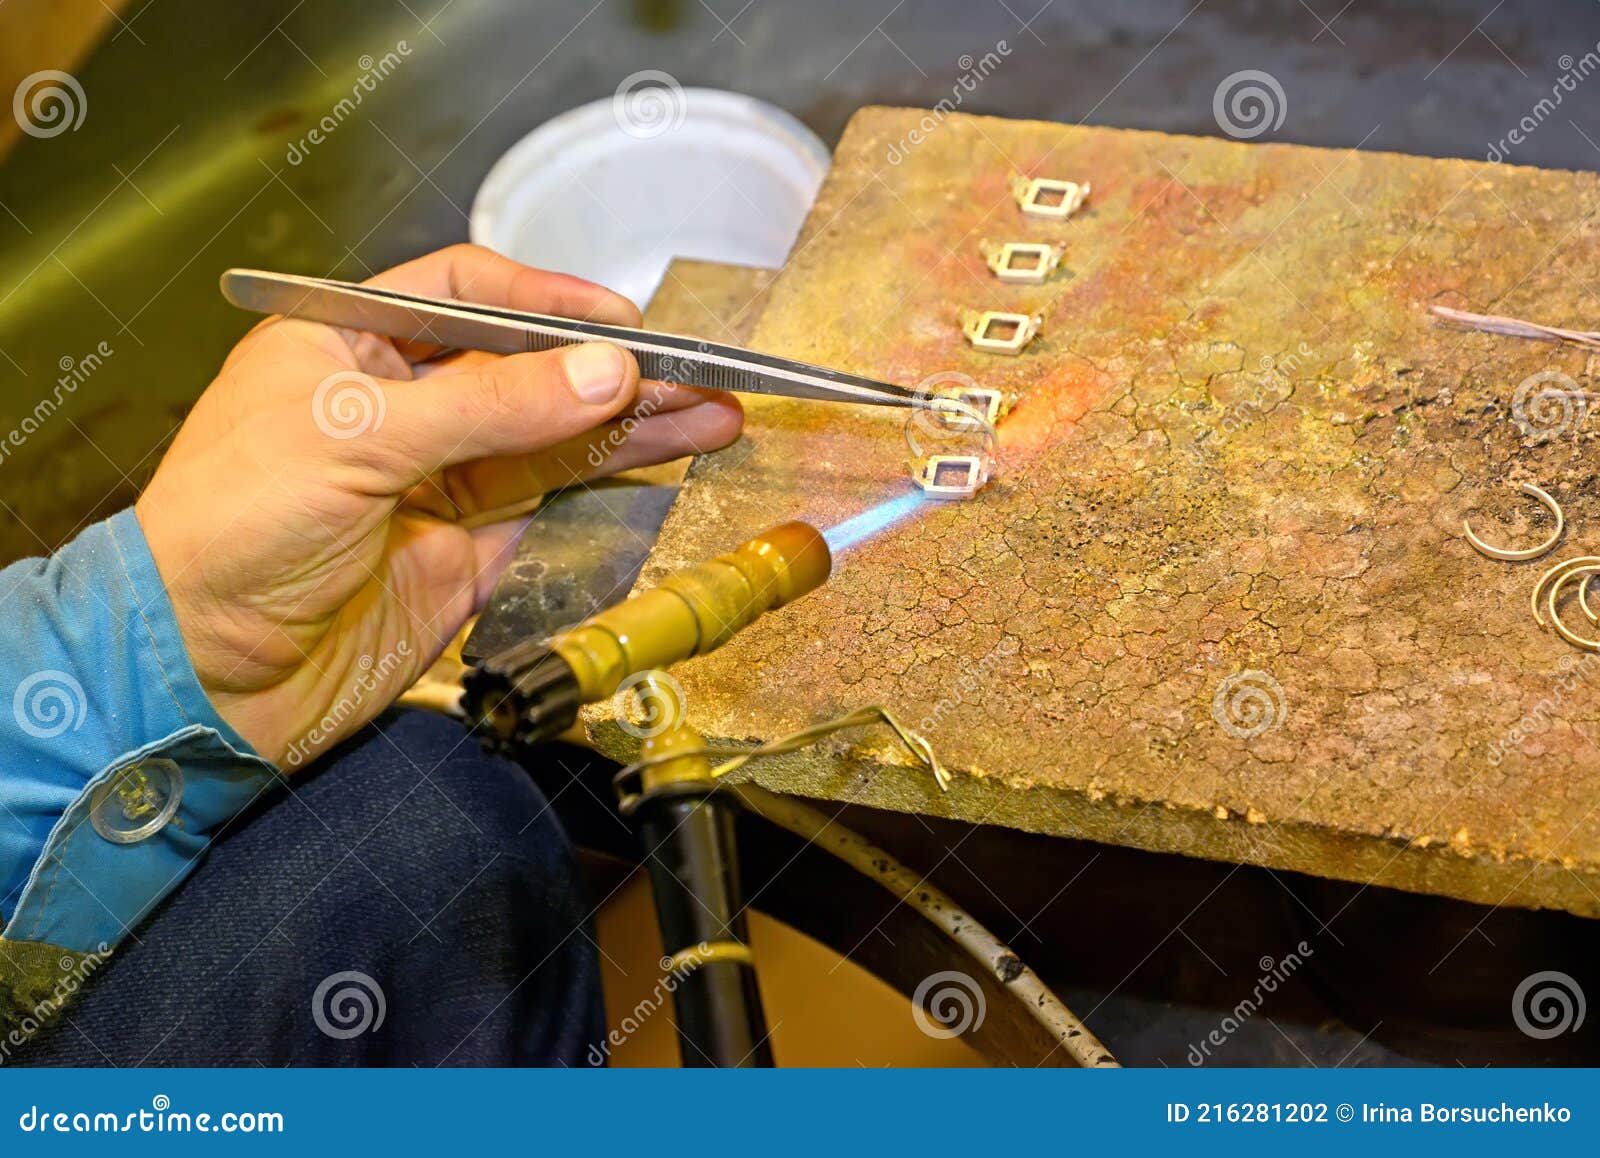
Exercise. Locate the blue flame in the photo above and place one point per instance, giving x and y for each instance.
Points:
(859, 528)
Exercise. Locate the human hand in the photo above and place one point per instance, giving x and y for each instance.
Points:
(308, 520)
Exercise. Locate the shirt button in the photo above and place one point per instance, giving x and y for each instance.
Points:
(136, 802)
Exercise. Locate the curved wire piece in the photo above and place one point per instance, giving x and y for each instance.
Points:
(953, 416)
(1515, 327)
(1512, 554)
(940, 910)
(915, 743)
(1587, 572)
(1553, 572)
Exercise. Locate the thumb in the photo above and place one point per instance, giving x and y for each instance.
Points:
(514, 405)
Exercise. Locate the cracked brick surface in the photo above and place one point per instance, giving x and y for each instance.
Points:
(1240, 449)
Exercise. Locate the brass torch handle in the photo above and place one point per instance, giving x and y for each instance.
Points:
(694, 610)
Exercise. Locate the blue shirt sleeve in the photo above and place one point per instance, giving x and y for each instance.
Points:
(115, 769)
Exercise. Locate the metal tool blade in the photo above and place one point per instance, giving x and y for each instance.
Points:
(581, 553)
(664, 357)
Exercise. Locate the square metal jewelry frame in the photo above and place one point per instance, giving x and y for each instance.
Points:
(979, 407)
(1039, 260)
(971, 470)
(1048, 197)
(977, 326)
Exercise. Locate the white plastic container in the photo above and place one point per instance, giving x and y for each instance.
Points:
(614, 190)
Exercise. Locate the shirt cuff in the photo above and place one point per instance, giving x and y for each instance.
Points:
(146, 774)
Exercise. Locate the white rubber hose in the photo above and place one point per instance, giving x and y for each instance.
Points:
(859, 853)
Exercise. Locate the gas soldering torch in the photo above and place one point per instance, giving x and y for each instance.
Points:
(531, 692)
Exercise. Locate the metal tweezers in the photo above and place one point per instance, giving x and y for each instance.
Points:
(464, 326)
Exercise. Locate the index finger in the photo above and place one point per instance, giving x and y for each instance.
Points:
(470, 273)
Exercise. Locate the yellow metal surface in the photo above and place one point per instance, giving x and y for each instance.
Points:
(694, 610)
(679, 748)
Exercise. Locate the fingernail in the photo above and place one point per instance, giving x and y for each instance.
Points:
(594, 372)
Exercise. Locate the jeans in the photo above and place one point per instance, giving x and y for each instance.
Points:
(409, 901)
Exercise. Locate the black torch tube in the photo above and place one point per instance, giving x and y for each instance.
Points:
(688, 835)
